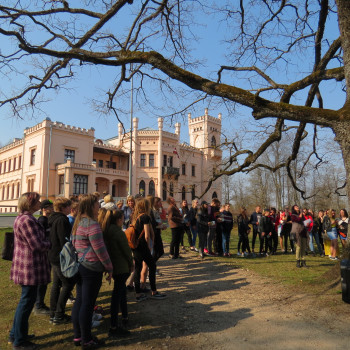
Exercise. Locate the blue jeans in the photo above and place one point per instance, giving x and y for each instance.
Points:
(226, 241)
(194, 231)
(88, 286)
(317, 239)
(19, 331)
(118, 300)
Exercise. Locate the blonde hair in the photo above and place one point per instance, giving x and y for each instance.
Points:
(60, 203)
(142, 206)
(27, 201)
(108, 198)
(194, 205)
(101, 215)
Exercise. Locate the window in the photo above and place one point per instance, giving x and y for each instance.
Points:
(60, 184)
(13, 191)
(18, 188)
(108, 164)
(0, 167)
(3, 193)
(151, 188)
(170, 161)
(193, 170)
(151, 160)
(100, 163)
(164, 191)
(183, 169)
(5, 166)
(114, 165)
(14, 163)
(30, 185)
(183, 191)
(142, 188)
(193, 192)
(171, 189)
(69, 154)
(143, 160)
(20, 162)
(165, 160)
(8, 192)
(80, 185)
(32, 156)
(214, 195)
(10, 164)
(213, 142)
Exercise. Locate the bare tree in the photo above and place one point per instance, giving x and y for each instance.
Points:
(271, 40)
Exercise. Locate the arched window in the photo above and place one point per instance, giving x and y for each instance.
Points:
(13, 191)
(164, 191)
(193, 192)
(142, 188)
(213, 141)
(151, 188)
(18, 188)
(171, 189)
(214, 195)
(183, 191)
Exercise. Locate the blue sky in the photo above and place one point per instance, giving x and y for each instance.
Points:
(72, 106)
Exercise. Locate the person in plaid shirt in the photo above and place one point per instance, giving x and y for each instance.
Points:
(30, 266)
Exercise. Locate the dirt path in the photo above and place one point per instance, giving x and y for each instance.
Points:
(212, 305)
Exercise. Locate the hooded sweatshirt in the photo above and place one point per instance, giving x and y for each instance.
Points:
(60, 230)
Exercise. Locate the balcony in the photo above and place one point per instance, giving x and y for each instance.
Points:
(170, 171)
(113, 172)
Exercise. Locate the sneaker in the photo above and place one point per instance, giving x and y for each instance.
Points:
(11, 340)
(94, 343)
(27, 345)
(145, 290)
(196, 250)
(77, 341)
(206, 251)
(246, 254)
(171, 256)
(118, 332)
(70, 301)
(141, 297)
(158, 296)
(42, 310)
(130, 288)
(239, 254)
(95, 324)
(96, 317)
(192, 249)
(61, 320)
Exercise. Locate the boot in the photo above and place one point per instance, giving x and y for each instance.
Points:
(298, 263)
(303, 263)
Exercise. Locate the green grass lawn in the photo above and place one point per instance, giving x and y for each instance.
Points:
(279, 268)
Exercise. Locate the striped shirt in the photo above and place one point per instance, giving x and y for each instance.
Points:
(89, 234)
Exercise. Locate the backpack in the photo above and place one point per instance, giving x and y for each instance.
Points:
(8, 246)
(69, 261)
(130, 234)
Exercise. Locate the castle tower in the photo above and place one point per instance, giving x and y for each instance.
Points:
(204, 131)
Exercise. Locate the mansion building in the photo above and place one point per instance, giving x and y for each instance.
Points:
(55, 159)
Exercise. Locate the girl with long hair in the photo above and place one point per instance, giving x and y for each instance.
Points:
(142, 222)
(88, 241)
(243, 231)
(343, 224)
(122, 261)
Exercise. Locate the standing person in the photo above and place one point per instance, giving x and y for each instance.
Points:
(286, 222)
(176, 225)
(128, 210)
(243, 231)
(226, 227)
(142, 222)
(186, 218)
(266, 229)
(73, 213)
(122, 261)
(274, 217)
(299, 230)
(109, 203)
(88, 241)
(46, 210)
(330, 226)
(193, 223)
(202, 219)
(216, 216)
(30, 266)
(158, 248)
(343, 224)
(60, 231)
(255, 220)
(318, 231)
(120, 204)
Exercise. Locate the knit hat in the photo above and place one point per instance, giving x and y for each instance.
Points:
(46, 203)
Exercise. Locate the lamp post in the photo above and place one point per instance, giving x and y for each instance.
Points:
(131, 117)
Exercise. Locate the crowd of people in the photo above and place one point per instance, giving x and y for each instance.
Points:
(97, 228)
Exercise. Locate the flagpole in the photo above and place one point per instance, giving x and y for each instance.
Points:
(131, 117)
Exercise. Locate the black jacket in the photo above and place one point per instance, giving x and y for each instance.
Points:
(266, 225)
(60, 230)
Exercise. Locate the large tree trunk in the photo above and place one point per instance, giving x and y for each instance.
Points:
(342, 128)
